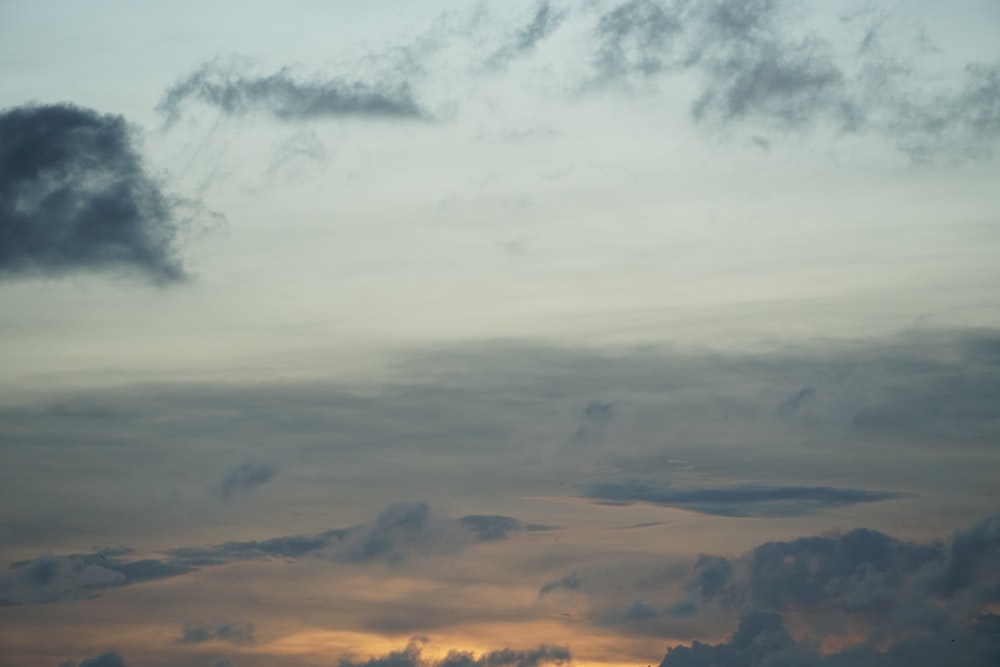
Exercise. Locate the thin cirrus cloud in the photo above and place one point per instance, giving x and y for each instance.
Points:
(746, 500)
(234, 91)
(76, 196)
(400, 531)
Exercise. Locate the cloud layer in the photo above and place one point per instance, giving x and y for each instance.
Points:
(401, 531)
(742, 500)
(75, 195)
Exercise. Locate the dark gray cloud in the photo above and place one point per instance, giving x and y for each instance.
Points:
(235, 92)
(743, 500)
(411, 656)
(860, 579)
(757, 63)
(401, 531)
(761, 640)
(76, 196)
(246, 477)
(109, 659)
(200, 632)
(490, 527)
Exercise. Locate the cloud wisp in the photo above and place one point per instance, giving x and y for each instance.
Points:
(401, 531)
(246, 477)
(235, 92)
(232, 632)
(746, 500)
(76, 196)
(757, 63)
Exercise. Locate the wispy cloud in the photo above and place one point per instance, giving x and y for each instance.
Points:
(402, 530)
(234, 91)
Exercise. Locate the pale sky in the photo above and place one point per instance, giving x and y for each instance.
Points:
(362, 333)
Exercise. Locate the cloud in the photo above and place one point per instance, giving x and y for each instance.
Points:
(199, 632)
(762, 641)
(246, 477)
(756, 63)
(742, 500)
(109, 659)
(411, 656)
(401, 531)
(76, 196)
(234, 92)
(543, 23)
(881, 587)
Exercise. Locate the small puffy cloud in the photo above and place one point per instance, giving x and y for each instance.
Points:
(233, 91)
(233, 632)
(246, 477)
(76, 196)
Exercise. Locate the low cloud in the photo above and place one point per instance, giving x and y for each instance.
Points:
(76, 196)
(756, 63)
(738, 501)
(411, 656)
(862, 583)
(233, 91)
(401, 531)
(761, 640)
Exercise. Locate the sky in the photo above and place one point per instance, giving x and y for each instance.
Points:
(451, 334)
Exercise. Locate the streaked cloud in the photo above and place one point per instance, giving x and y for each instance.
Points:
(742, 500)
(399, 532)
(234, 91)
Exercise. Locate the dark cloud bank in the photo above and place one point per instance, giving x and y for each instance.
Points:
(901, 602)
(76, 195)
(412, 656)
(401, 531)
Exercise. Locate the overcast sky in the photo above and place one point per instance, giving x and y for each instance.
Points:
(450, 334)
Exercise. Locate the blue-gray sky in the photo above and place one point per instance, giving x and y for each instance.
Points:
(457, 335)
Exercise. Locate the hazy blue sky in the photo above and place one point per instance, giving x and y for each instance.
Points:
(441, 334)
